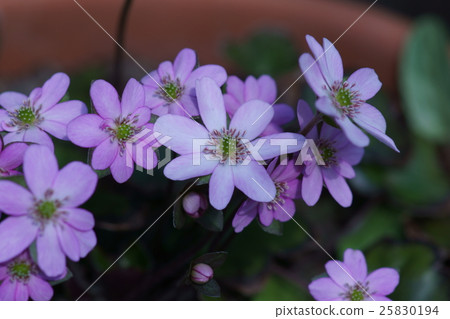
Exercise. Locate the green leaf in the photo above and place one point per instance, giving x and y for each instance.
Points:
(210, 289)
(203, 180)
(179, 217)
(215, 259)
(212, 220)
(424, 80)
(265, 53)
(60, 281)
(276, 228)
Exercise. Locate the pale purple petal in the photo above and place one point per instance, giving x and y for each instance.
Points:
(340, 273)
(279, 144)
(12, 100)
(40, 169)
(215, 72)
(151, 80)
(189, 104)
(245, 215)
(345, 169)
(325, 105)
(144, 156)
(252, 118)
(35, 95)
(221, 186)
(352, 132)
(184, 64)
(334, 62)
(356, 263)
(79, 218)
(4, 118)
(51, 258)
(365, 81)
(379, 135)
(295, 189)
(319, 56)
(370, 115)
(254, 181)
(165, 70)
(285, 212)
(21, 292)
(16, 234)
(12, 156)
(312, 185)
(313, 74)
(122, 167)
(105, 99)
(377, 298)
(68, 242)
(87, 241)
(133, 97)
(53, 91)
(75, 184)
(350, 153)
(338, 187)
(8, 290)
(265, 215)
(38, 136)
(85, 131)
(181, 131)
(39, 289)
(235, 88)
(3, 272)
(251, 89)
(152, 100)
(383, 281)
(283, 114)
(210, 104)
(267, 89)
(325, 289)
(184, 167)
(105, 154)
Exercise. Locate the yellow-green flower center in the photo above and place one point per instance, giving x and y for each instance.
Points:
(26, 115)
(227, 146)
(124, 132)
(46, 209)
(20, 270)
(171, 90)
(357, 295)
(344, 97)
(327, 151)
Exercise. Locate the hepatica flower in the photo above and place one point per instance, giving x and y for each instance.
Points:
(338, 155)
(264, 88)
(30, 118)
(113, 129)
(22, 279)
(282, 207)
(349, 280)
(344, 100)
(171, 89)
(48, 212)
(225, 149)
(11, 157)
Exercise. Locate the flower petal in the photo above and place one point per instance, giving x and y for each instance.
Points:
(105, 99)
(283, 114)
(53, 91)
(345, 169)
(8, 290)
(87, 241)
(379, 135)
(38, 136)
(370, 115)
(252, 118)
(75, 184)
(265, 215)
(12, 155)
(14, 199)
(254, 181)
(104, 154)
(284, 212)
(278, 144)
(235, 88)
(211, 105)
(68, 242)
(245, 215)
(79, 218)
(340, 273)
(165, 70)
(85, 131)
(383, 281)
(215, 72)
(133, 97)
(181, 130)
(325, 105)
(313, 75)
(184, 64)
(122, 167)
(39, 289)
(40, 169)
(267, 89)
(12, 100)
(350, 153)
(312, 185)
(51, 258)
(352, 132)
(185, 167)
(338, 187)
(365, 81)
(221, 186)
(325, 289)
(16, 234)
(334, 62)
(356, 263)
(251, 89)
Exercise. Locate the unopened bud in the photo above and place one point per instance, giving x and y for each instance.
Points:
(194, 204)
(201, 274)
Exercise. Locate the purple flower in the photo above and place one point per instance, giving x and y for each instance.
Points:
(264, 88)
(194, 204)
(349, 280)
(11, 157)
(27, 119)
(282, 207)
(201, 274)
(338, 155)
(345, 101)
(48, 212)
(113, 130)
(224, 150)
(22, 280)
(171, 89)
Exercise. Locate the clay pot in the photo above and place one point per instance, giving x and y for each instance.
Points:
(58, 35)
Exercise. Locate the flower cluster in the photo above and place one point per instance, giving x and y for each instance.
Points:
(232, 138)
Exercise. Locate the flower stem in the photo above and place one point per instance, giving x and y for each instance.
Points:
(314, 121)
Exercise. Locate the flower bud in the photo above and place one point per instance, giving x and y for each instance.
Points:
(194, 204)
(201, 274)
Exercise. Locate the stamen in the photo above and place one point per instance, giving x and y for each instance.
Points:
(327, 151)
(170, 90)
(227, 145)
(346, 98)
(25, 116)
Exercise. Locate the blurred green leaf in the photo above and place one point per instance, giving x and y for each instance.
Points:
(215, 259)
(212, 219)
(60, 281)
(279, 289)
(425, 80)
(265, 53)
(210, 289)
(203, 180)
(179, 217)
(438, 230)
(275, 228)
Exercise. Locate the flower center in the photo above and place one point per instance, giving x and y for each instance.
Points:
(25, 116)
(124, 132)
(358, 292)
(281, 187)
(227, 145)
(170, 90)
(20, 270)
(46, 209)
(357, 295)
(346, 98)
(327, 151)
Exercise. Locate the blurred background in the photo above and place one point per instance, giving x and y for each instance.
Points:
(401, 212)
